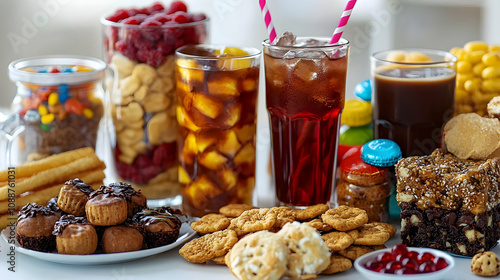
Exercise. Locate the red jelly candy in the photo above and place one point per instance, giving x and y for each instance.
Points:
(426, 267)
(405, 270)
(391, 267)
(426, 257)
(440, 263)
(399, 249)
(410, 263)
(374, 265)
(385, 257)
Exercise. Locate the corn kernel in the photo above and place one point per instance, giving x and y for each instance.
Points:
(491, 72)
(472, 84)
(478, 69)
(491, 85)
(464, 67)
(48, 118)
(476, 46)
(460, 95)
(494, 48)
(474, 57)
(42, 110)
(88, 113)
(53, 99)
(491, 58)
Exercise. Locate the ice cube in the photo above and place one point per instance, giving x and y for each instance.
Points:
(249, 84)
(185, 121)
(212, 160)
(244, 190)
(204, 140)
(223, 86)
(183, 176)
(201, 191)
(233, 114)
(229, 177)
(245, 133)
(229, 144)
(207, 106)
(190, 75)
(246, 155)
(306, 70)
(286, 39)
(190, 149)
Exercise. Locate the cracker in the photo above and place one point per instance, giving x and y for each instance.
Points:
(209, 246)
(261, 255)
(284, 215)
(309, 255)
(337, 264)
(337, 240)
(369, 234)
(234, 210)
(256, 219)
(310, 212)
(210, 223)
(355, 251)
(345, 218)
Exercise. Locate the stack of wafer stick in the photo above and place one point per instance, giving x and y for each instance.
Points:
(39, 181)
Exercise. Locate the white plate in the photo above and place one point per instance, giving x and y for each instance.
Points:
(372, 275)
(186, 233)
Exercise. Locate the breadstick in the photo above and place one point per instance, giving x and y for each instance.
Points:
(49, 162)
(59, 174)
(42, 196)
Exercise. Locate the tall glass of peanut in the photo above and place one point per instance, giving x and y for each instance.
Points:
(216, 111)
(140, 49)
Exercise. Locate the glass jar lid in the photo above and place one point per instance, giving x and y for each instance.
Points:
(21, 70)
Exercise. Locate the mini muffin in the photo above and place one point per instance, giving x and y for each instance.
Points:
(106, 207)
(160, 226)
(34, 228)
(75, 236)
(136, 201)
(73, 196)
(122, 238)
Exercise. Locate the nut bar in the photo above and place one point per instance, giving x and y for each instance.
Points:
(448, 203)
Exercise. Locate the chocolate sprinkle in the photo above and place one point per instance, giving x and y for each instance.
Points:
(33, 209)
(116, 189)
(67, 220)
(79, 184)
(147, 217)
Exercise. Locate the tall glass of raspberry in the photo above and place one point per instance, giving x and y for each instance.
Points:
(139, 47)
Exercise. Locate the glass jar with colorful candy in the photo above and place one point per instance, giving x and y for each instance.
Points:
(58, 106)
(139, 47)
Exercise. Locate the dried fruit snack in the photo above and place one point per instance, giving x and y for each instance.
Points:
(216, 112)
(139, 46)
(478, 76)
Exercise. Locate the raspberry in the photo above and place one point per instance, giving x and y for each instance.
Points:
(177, 6)
(181, 17)
(119, 15)
(131, 20)
(198, 17)
(126, 49)
(156, 7)
(164, 47)
(162, 17)
(149, 31)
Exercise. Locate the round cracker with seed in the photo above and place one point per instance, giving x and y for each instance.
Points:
(310, 212)
(209, 246)
(210, 223)
(255, 219)
(234, 210)
(345, 218)
(369, 234)
(337, 240)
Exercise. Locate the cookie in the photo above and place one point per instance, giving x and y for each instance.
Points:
(337, 264)
(209, 246)
(319, 225)
(210, 223)
(369, 234)
(219, 260)
(485, 264)
(345, 218)
(354, 251)
(256, 219)
(234, 210)
(283, 216)
(337, 240)
(240, 233)
(260, 255)
(390, 228)
(310, 212)
(308, 253)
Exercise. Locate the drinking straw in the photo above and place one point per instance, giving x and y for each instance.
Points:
(343, 21)
(267, 20)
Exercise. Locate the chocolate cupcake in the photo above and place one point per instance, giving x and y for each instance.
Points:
(125, 237)
(136, 201)
(160, 226)
(106, 207)
(73, 197)
(34, 228)
(75, 236)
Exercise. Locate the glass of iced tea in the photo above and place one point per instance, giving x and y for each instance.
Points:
(413, 97)
(305, 90)
(216, 111)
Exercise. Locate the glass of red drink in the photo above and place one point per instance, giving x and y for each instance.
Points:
(216, 99)
(413, 97)
(305, 90)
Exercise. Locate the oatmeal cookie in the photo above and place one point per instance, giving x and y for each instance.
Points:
(337, 240)
(345, 218)
(310, 212)
(256, 219)
(209, 246)
(210, 223)
(320, 225)
(337, 264)
(234, 210)
(485, 264)
(355, 251)
(369, 234)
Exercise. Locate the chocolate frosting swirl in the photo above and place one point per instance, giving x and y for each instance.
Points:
(116, 189)
(52, 204)
(79, 184)
(147, 217)
(33, 209)
(67, 220)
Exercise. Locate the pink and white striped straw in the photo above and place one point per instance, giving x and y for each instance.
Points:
(267, 19)
(343, 22)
